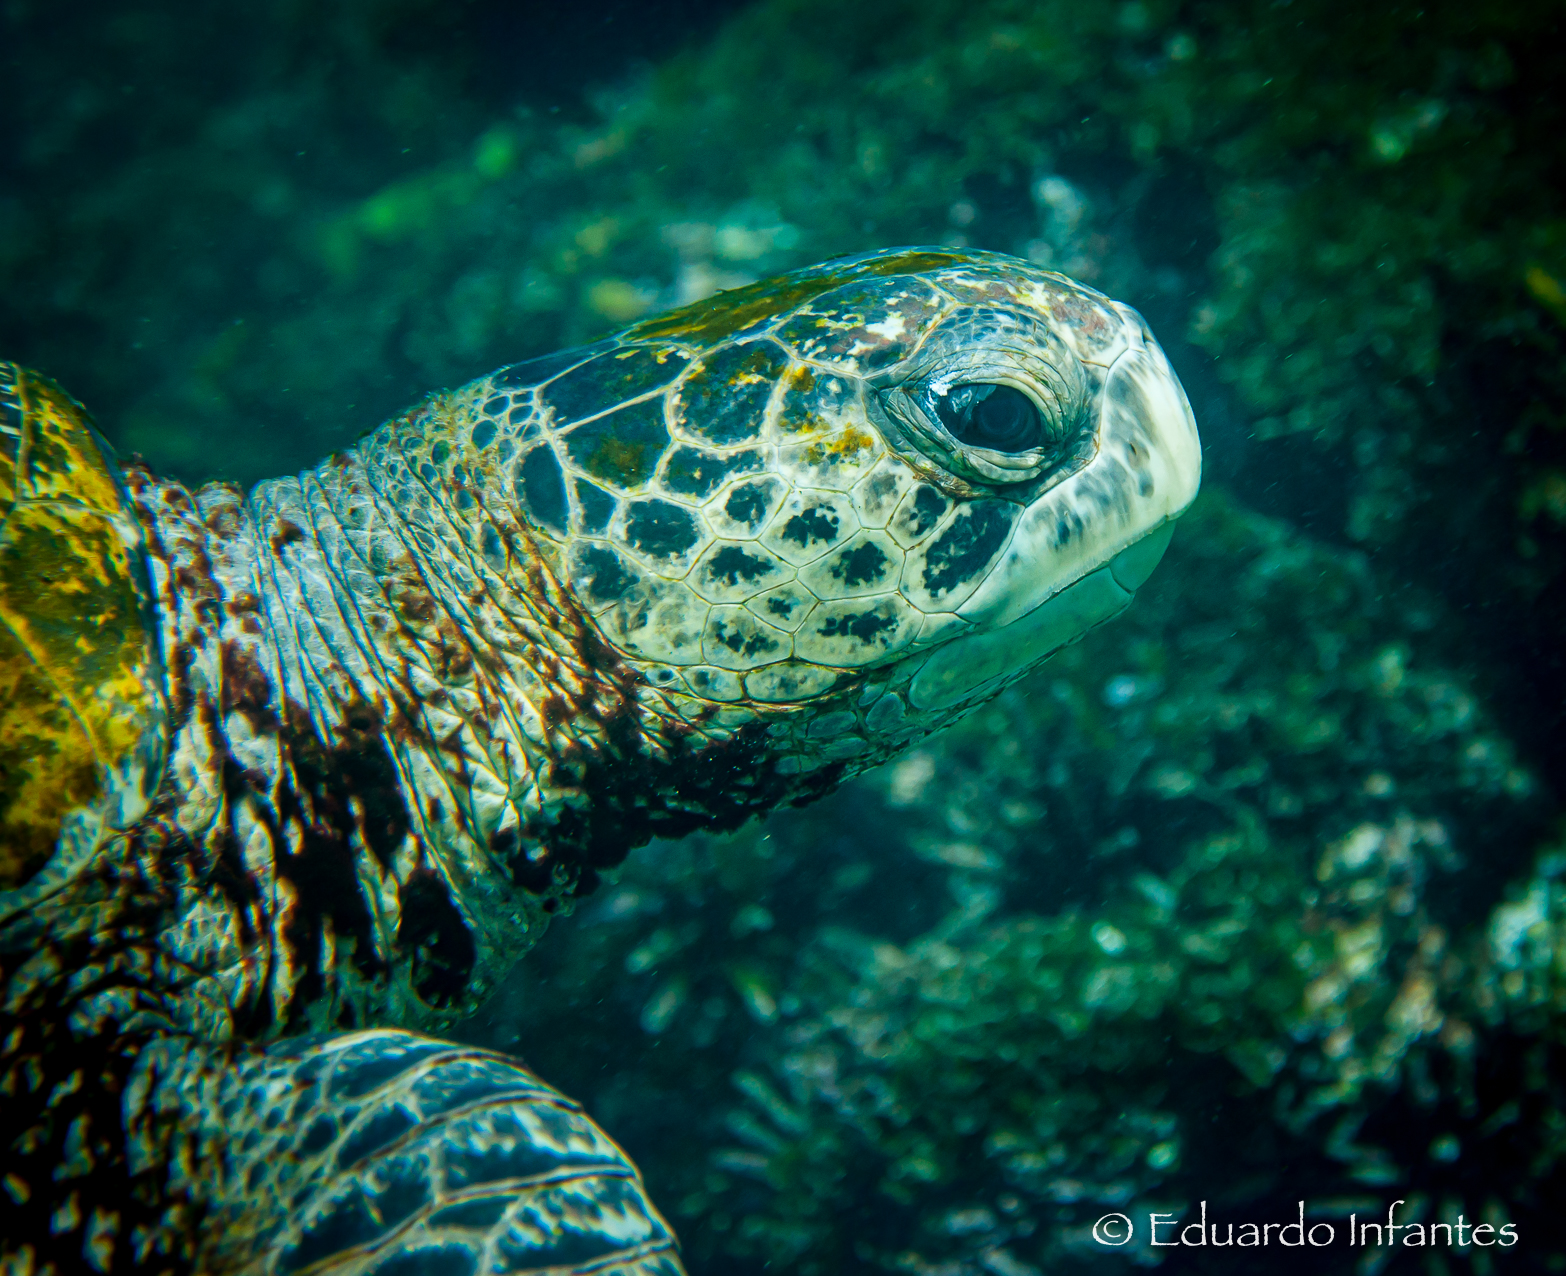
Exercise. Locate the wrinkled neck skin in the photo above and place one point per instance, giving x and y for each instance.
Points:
(400, 748)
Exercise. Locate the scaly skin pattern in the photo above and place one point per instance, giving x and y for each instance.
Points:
(360, 733)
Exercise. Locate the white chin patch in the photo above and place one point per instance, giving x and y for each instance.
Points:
(1084, 547)
(1146, 470)
(974, 665)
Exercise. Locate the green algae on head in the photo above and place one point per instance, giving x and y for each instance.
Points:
(737, 309)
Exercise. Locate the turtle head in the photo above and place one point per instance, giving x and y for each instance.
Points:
(851, 503)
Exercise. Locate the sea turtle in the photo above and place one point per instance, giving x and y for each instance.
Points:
(289, 778)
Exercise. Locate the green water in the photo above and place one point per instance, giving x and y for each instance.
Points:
(1258, 895)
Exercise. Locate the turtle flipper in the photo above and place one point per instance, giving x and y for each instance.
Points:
(392, 1154)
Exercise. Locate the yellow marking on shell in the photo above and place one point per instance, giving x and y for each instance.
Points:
(799, 413)
(746, 377)
(78, 690)
(800, 379)
(847, 445)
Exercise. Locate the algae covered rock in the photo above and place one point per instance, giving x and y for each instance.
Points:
(1214, 907)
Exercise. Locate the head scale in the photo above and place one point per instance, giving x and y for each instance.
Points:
(853, 502)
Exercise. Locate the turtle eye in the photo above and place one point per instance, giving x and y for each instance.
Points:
(996, 417)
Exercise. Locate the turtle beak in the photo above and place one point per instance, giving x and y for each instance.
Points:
(1082, 549)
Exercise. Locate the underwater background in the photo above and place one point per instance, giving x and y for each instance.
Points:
(1258, 895)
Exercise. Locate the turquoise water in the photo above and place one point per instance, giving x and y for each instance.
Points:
(1255, 897)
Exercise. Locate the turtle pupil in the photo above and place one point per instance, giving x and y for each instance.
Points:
(997, 417)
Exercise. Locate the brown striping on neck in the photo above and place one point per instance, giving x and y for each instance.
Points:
(392, 760)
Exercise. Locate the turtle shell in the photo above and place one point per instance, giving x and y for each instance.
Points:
(82, 717)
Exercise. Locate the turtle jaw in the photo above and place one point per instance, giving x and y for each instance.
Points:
(1083, 547)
